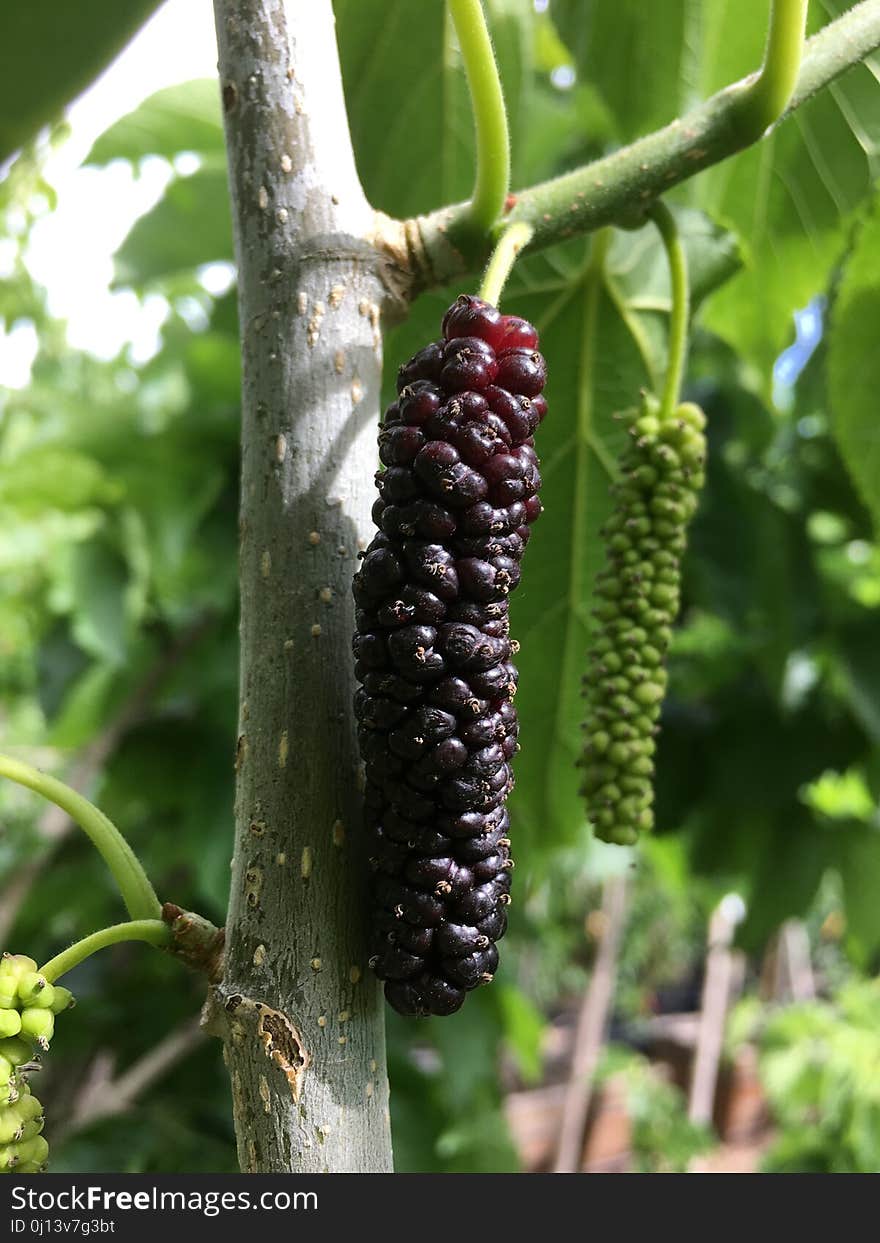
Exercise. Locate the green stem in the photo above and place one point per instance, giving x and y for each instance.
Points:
(514, 238)
(153, 931)
(680, 309)
(768, 96)
(492, 181)
(137, 892)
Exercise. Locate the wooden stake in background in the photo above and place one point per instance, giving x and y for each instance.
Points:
(591, 1027)
(714, 1003)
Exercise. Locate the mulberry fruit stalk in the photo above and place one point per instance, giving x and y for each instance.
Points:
(436, 721)
(28, 1006)
(637, 595)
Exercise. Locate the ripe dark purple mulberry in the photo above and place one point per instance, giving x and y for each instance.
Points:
(436, 722)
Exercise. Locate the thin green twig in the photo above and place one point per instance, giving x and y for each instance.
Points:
(680, 309)
(153, 931)
(514, 238)
(765, 100)
(492, 180)
(134, 886)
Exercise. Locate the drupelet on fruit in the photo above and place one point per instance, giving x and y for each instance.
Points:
(436, 721)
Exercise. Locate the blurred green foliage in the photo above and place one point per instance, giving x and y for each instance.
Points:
(818, 1065)
(664, 1140)
(118, 609)
(51, 52)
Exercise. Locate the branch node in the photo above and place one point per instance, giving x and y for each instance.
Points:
(196, 941)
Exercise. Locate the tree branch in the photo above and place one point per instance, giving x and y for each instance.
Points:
(301, 1015)
(490, 116)
(619, 188)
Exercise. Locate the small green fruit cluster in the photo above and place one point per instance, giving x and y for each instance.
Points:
(23, 1150)
(637, 599)
(28, 1006)
(28, 1002)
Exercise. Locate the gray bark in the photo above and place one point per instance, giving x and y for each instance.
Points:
(300, 1013)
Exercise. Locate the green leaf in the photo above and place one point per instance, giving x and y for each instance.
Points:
(566, 128)
(213, 367)
(858, 657)
(524, 1026)
(790, 196)
(597, 369)
(91, 585)
(179, 118)
(45, 477)
(600, 352)
(859, 866)
(412, 130)
(638, 56)
(168, 782)
(738, 776)
(854, 364)
(638, 274)
(387, 123)
(190, 225)
(30, 547)
(86, 707)
(790, 858)
(136, 551)
(642, 270)
(187, 540)
(53, 50)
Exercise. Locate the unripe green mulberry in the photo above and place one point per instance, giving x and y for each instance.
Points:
(33, 1155)
(23, 1150)
(12, 968)
(21, 1120)
(16, 965)
(14, 1052)
(11, 1124)
(35, 990)
(25, 1157)
(637, 599)
(10, 1023)
(28, 1006)
(38, 1025)
(62, 1000)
